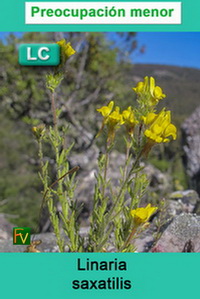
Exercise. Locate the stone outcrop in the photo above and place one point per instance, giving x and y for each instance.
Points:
(185, 201)
(5, 228)
(191, 147)
(183, 231)
(177, 203)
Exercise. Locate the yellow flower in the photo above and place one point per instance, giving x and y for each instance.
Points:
(69, 51)
(113, 122)
(139, 87)
(129, 120)
(149, 118)
(62, 43)
(128, 116)
(106, 110)
(34, 129)
(38, 131)
(115, 118)
(66, 50)
(148, 89)
(142, 215)
(159, 127)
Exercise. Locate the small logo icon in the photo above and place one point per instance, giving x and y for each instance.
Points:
(21, 235)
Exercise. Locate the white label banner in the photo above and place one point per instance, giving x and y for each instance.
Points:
(103, 13)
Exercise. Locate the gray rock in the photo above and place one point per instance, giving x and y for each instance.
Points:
(159, 181)
(184, 228)
(5, 228)
(145, 241)
(182, 202)
(191, 147)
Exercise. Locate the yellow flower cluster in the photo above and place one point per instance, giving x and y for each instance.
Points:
(113, 119)
(142, 215)
(156, 127)
(148, 89)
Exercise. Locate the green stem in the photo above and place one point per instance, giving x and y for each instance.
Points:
(105, 172)
(127, 158)
(124, 185)
(139, 134)
(40, 154)
(53, 108)
(55, 122)
(133, 232)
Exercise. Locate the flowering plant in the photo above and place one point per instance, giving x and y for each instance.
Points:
(116, 217)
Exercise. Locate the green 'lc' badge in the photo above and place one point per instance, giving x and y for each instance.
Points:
(39, 54)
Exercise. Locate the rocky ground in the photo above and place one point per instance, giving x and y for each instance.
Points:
(179, 233)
